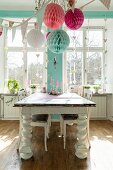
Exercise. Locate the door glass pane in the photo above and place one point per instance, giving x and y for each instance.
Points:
(74, 68)
(94, 38)
(35, 68)
(76, 38)
(15, 66)
(94, 68)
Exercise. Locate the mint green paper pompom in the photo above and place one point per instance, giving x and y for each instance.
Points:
(58, 41)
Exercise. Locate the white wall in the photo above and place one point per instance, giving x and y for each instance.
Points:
(109, 58)
(2, 63)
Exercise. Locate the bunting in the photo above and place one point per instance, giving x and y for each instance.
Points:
(13, 33)
(106, 3)
(39, 16)
(23, 29)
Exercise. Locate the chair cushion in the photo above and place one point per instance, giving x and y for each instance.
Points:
(69, 116)
(39, 117)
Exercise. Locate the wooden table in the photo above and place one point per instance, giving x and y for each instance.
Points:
(43, 103)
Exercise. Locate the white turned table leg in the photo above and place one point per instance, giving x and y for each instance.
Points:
(82, 145)
(25, 147)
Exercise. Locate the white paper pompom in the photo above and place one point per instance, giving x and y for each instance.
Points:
(35, 38)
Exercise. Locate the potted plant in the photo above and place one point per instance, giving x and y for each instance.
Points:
(96, 87)
(13, 86)
(86, 86)
(33, 88)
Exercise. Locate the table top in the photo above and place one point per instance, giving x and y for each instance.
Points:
(44, 99)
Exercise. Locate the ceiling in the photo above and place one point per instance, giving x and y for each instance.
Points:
(27, 5)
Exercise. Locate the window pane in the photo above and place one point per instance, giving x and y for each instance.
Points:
(17, 42)
(94, 38)
(74, 68)
(35, 68)
(15, 66)
(94, 67)
(76, 38)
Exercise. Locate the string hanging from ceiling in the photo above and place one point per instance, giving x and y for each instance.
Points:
(39, 4)
(52, 12)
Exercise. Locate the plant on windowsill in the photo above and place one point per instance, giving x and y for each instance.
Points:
(13, 86)
(86, 86)
(96, 87)
(33, 88)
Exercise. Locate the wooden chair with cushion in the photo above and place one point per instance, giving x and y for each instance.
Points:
(42, 120)
(37, 120)
(67, 119)
(70, 119)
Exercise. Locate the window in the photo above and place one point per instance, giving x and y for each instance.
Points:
(85, 56)
(24, 63)
(74, 65)
(15, 66)
(35, 68)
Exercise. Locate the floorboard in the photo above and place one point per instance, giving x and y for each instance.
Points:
(100, 155)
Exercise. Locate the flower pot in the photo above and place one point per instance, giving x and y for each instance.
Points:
(33, 90)
(12, 91)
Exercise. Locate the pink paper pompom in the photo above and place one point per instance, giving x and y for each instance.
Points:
(74, 19)
(54, 16)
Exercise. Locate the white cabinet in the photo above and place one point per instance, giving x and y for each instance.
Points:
(10, 112)
(100, 111)
(1, 106)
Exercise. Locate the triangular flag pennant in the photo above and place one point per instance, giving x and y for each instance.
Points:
(1, 20)
(1, 30)
(23, 29)
(11, 24)
(106, 3)
(13, 33)
(40, 14)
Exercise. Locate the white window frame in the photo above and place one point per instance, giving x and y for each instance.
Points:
(84, 50)
(24, 49)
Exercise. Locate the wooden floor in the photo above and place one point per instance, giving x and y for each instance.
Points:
(100, 155)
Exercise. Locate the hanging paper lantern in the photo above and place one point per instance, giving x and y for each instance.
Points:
(74, 19)
(54, 16)
(35, 38)
(1, 30)
(58, 41)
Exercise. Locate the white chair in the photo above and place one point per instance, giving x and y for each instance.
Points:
(21, 94)
(67, 119)
(37, 120)
(80, 91)
(88, 94)
(70, 119)
(42, 120)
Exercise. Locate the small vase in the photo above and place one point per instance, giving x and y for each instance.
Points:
(33, 90)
